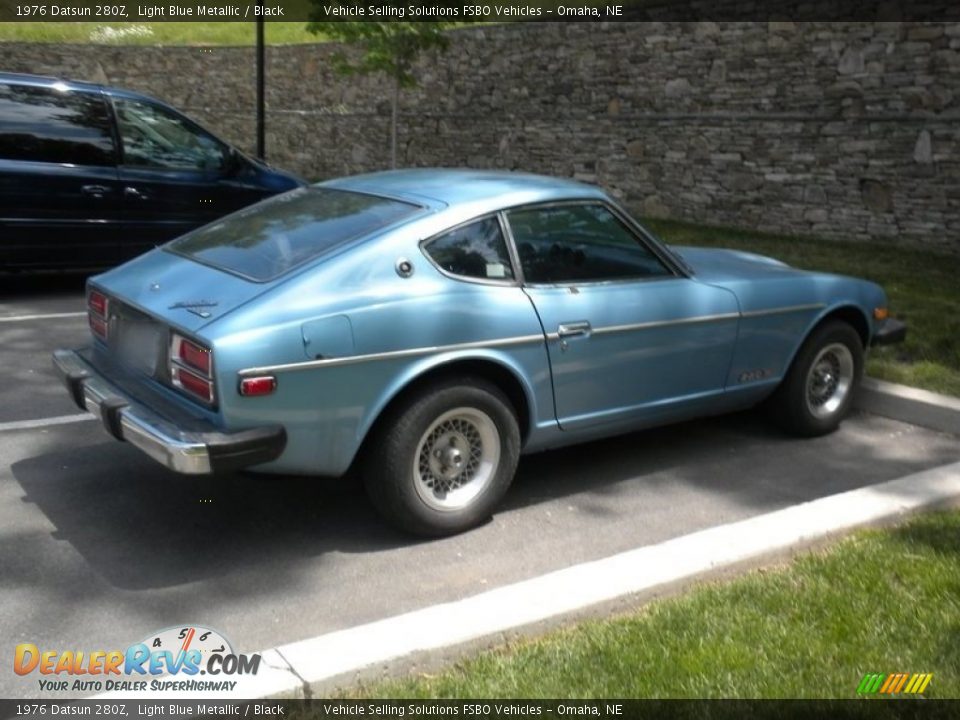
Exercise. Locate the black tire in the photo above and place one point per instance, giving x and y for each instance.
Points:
(472, 428)
(818, 390)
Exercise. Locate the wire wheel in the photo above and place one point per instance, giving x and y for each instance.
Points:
(829, 380)
(456, 459)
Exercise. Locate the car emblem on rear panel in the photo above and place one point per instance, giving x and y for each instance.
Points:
(155, 286)
(195, 306)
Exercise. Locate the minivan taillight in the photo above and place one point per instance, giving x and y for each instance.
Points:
(191, 367)
(97, 306)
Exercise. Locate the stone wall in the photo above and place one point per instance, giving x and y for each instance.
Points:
(843, 130)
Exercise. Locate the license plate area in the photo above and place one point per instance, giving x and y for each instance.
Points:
(139, 342)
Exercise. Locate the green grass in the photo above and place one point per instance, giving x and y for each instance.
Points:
(880, 601)
(156, 33)
(924, 291)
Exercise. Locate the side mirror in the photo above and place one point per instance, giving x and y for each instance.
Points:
(233, 161)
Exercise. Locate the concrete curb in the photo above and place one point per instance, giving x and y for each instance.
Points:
(315, 666)
(911, 405)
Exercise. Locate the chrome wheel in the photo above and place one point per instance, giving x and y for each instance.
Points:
(829, 380)
(456, 459)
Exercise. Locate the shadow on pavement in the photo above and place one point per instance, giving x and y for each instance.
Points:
(140, 526)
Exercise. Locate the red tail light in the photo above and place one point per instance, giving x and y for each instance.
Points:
(98, 326)
(97, 306)
(194, 356)
(97, 303)
(191, 367)
(194, 384)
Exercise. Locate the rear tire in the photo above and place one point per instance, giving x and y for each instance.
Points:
(817, 392)
(443, 459)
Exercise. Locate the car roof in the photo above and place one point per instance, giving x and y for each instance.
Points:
(62, 84)
(450, 186)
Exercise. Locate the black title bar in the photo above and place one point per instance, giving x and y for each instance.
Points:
(120, 11)
(873, 709)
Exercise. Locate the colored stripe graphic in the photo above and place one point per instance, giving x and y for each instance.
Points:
(895, 683)
(870, 683)
(891, 679)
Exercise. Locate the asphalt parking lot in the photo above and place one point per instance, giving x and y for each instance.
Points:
(99, 546)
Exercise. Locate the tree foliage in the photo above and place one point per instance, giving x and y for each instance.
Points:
(391, 47)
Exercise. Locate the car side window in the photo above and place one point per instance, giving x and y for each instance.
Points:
(46, 124)
(579, 243)
(477, 250)
(154, 137)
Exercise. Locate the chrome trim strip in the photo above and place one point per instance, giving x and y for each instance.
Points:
(782, 310)
(505, 342)
(389, 355)
(664, 323)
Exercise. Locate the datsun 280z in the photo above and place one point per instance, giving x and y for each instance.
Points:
(429, 326)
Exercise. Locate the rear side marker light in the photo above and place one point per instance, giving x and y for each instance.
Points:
(254, 386)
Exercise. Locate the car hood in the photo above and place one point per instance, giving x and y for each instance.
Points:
(180, 291)
(714, 265)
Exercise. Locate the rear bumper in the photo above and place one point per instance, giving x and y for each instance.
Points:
(194, 451)
(889, 332)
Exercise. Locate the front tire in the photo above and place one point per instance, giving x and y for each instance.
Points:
(817, 393)
(442, 460)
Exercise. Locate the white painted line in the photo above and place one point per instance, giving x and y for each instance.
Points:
(344, 653)
(45, 422)
(45, 316)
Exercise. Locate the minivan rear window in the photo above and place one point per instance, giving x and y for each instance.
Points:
(271, 238)
(54, 125)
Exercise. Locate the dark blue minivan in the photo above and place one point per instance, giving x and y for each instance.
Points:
(91, 176)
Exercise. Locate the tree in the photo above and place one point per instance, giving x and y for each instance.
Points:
(389, 47)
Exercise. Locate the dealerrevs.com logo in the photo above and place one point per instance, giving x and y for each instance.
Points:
(183, 659)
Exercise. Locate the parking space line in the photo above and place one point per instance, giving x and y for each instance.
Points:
(45, 422)
(44, 316)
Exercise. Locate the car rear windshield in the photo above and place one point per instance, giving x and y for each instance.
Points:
(271, 238)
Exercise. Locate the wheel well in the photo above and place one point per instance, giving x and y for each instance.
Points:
(853, 317)
(493, 372)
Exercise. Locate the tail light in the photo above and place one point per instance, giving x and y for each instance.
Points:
(191, 368)
(97, 307)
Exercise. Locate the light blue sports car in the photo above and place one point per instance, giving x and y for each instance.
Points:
(429, 326)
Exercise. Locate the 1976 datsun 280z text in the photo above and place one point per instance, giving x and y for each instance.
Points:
(431, 325)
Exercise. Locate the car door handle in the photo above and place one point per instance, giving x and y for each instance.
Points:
(96, 191)
(132, 192)
(573, 329)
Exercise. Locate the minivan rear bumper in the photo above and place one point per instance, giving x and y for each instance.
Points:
(195, 451)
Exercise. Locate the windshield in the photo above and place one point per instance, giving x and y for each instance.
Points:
(271, 238)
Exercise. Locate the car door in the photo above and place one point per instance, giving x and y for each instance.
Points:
(629, 337)
(59, 191)
(175, 175)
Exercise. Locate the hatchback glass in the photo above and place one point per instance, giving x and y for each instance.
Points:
(271, 238)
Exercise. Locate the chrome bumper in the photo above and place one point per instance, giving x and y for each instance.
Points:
(184, 451)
